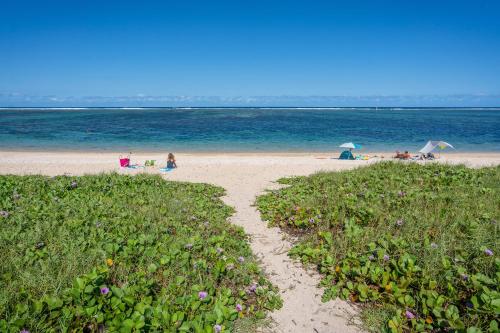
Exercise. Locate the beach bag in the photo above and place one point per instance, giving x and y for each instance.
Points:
(124, 161)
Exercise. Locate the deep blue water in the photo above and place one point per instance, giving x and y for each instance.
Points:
(248, 129)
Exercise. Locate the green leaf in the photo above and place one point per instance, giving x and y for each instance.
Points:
(432, 284)
(117, 291)
(54, 303)
(128, 323)
(129, 300)
(80, 283)
(494, 326)
(89, 289)
(152, 268)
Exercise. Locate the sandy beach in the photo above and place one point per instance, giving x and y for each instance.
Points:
(244, 176)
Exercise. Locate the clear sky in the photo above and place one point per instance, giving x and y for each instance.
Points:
(249, 48)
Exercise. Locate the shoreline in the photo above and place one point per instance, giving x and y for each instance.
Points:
(333, 153)
(243, 107)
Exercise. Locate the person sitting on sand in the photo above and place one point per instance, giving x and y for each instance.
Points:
(171, 161)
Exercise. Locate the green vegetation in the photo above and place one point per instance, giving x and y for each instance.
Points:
(121, 253)
(416, 245)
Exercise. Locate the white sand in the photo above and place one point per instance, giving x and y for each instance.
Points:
(244, 176)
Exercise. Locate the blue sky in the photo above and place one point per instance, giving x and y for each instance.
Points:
(85, 52)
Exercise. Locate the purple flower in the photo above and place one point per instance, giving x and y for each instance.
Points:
(399, 222)
(401, 193)
(409, 315)
(202, 295)
(239, 308)
(253, 287)
(386, 257)
(371, 257)
(188, 246)
(217, 328)
(241, 259)
(292, 218)
(488, 252)
(104, 290)
(24, 331)
(465, 277)
(311, 220)
(219, 250)
(230, 267)
(434, 245)
(74, 184)
(4, 213)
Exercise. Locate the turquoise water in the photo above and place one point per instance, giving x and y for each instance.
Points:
(247, 129)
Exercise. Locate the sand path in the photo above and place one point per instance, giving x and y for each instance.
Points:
(302, 309)
(244, 176)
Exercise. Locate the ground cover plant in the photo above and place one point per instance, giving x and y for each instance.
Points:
(416, 245)
(121, 253)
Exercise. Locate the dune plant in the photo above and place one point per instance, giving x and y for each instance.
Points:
(416, 245)
(114, 253)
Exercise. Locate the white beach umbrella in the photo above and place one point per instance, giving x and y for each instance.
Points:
(350, 145)
(431, 145)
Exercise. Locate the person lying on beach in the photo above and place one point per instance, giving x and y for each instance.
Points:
(404, 156)
(171, 161)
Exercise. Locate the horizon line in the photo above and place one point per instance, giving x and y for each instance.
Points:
(249, 107)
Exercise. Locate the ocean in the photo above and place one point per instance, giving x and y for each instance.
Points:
(247, 129)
